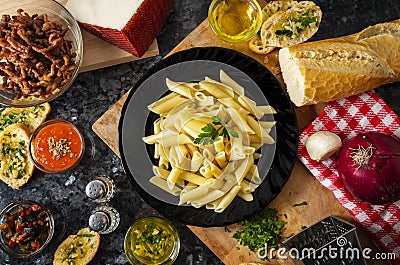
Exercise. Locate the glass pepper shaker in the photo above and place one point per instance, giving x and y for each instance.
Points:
(100, 189)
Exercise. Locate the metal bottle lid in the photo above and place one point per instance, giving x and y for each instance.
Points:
(99, 221)
(96, 189)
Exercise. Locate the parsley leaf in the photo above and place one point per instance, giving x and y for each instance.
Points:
(300, 204)
(210, 133)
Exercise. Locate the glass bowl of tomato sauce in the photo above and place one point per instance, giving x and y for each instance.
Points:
(56, 146)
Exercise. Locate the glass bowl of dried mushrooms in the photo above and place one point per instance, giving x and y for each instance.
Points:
(41, 51)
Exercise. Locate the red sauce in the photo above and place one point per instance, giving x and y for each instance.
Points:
(57, 146)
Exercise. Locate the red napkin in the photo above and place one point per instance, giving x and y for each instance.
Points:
(346, 118)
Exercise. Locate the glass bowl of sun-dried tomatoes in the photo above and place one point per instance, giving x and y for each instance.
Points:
(26, 228)
(41, 51)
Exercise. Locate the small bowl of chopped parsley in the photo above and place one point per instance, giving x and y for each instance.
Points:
(152, 240)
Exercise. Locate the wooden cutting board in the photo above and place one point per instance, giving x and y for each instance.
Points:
(302, 186)
(97, 53)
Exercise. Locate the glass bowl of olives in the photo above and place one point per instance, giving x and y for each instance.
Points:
(26, 228)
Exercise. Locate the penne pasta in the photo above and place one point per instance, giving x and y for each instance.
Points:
(248, 150)
(225, 125)
(229, 103)
(173, 177)
(227, 199)
(213, 205)
(227, 80)
(221, 159)
(219, 145)
(162, 183)
(247, 186)
(217, 89)
(193, 178)
(243, 168)
(267, 109)
(164, 106)
(191, 149)
(240, 121)
(193, 194)
(203, 100)
(213, 195)
(193, 127)
(250, 106)
(208, 155)
(156, 150)
(196, 161)
(179, 88)
(205, 171)
(245, 196)
(163, 162)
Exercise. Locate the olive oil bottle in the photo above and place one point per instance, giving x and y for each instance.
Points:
(235, 20)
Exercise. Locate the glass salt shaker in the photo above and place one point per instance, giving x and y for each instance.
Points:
(100, 189)
(104, 219)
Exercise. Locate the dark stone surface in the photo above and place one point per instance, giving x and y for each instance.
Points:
(94, 92)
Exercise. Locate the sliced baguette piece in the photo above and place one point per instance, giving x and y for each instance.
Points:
(78, 249)
(326, 70)
(292, 26)
(16, 167)
(29, 116)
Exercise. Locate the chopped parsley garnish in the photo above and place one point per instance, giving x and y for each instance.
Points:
(263, 228)
(210, 133)
(297, 25)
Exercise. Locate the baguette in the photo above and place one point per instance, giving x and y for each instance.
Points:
(326, 70)
(30, 116)
(78, 249)
(16, 167)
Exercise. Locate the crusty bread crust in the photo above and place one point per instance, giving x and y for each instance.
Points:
(88, 254)
(14, 143)
(256, 45)
(326, 70)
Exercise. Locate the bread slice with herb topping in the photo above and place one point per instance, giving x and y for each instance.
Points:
(16, 167)
(78, 249)
(292, 26)
(31, 117)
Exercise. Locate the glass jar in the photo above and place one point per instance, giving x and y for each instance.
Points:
(235, 20)
(151, 241)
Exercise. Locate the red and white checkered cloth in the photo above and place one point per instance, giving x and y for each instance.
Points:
(346, 118)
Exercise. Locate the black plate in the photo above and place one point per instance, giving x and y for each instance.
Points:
(261, 86)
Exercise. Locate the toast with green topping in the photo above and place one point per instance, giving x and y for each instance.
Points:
(292, 26)
(31, 117)
(78, 249)
(16, 167)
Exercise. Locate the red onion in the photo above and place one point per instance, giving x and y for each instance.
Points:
(369, 167)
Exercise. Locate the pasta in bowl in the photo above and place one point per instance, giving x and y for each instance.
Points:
(274, 161)
(206, 141)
